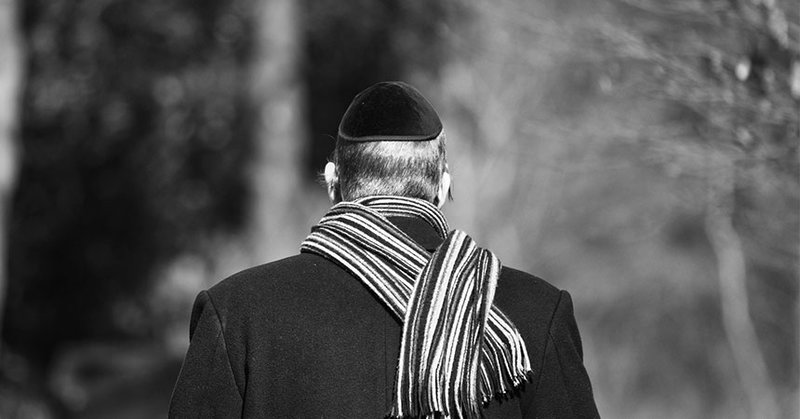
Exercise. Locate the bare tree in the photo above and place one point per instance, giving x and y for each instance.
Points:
(741, 89)
(732, 276)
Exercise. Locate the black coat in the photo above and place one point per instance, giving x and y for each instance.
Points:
(302, 338)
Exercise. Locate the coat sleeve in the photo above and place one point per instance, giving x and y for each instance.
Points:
(206, 387)
(563, 389)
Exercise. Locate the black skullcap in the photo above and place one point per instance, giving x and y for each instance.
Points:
(390, 111)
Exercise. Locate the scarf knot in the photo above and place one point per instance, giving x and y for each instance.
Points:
(458, 351)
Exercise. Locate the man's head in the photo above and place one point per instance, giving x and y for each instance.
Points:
(390, 142)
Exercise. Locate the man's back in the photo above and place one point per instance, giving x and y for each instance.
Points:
(302, 337)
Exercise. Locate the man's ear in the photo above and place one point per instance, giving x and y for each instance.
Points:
(444, 189)
(331, 179)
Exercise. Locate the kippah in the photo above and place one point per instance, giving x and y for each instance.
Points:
(390, 111)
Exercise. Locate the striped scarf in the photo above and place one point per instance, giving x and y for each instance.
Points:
(457, 350)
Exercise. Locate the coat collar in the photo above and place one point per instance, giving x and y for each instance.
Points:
(419, 230)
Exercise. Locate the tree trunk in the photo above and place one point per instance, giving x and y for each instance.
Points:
(10, 87)
(275, 89)
(732, 276)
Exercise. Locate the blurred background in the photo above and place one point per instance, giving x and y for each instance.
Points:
(641, 154)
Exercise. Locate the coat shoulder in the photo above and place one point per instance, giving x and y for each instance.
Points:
(284, 277)
(306, 288)
(302, 286)
(525, 288)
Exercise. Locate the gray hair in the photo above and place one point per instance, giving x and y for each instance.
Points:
(411, 169)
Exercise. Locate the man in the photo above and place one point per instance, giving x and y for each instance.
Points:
(385, 312)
